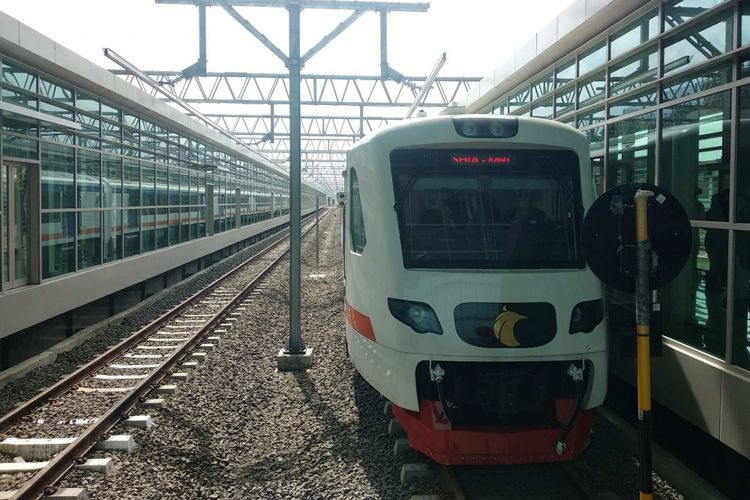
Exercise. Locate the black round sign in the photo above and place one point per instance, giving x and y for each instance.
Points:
(609, 241)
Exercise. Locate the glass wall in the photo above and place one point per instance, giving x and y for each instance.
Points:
(665, 104)
(124, 184)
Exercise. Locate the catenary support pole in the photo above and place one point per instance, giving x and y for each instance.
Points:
(643, 338)
(317, 234)
(295, 323)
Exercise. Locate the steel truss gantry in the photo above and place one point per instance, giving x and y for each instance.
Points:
(366, 103)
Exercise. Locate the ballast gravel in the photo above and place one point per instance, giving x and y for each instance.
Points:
(238, 428)
(26, 387)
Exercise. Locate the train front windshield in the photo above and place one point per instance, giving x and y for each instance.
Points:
(488, 209)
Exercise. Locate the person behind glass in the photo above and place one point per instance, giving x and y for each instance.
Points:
(716, 243)
(528, 227)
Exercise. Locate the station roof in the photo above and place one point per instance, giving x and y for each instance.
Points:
(571, 29)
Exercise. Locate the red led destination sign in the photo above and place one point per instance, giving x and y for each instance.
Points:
(480, 159)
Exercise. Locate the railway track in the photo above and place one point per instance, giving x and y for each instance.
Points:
(106, 389)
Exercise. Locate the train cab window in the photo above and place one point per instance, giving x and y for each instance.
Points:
(357, 223)
(488, 209)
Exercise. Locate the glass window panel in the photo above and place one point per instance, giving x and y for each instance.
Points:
(148, 222)
(112, 235)
(19, 77)
(595, 136)
(542, 109)
(741, 319)
(633, 71)
(131, 183)
(131, 137)
(591, 118)
(184, 187)
(518, 100)
(55, 110)
(542, 86)
(90, 125)
(565, 73)
(565, 102)
(742, 212)
(20, 147)
(695, 154)
(58, 165)
(88, 103)
(744, 23)
(131, 120)
(641, 31)
(89, 239)
(694, 303)
(677, 12)
(131, 232)
(87, 179)
(592, 58)
(148, 180)
(56, 91)
(633, 103)
(201, 222)
(631, 150)
(174, 225)
(698, 44)
(109, 147)
(20, 124)
(162, 185)
(162, 227)
(110, 112)
(19, 98)
(112, 181)
(111, 131)
(174, 186)
(185, 224)
(58, 243)
(591, 89)
(697, 82)
(63, 136)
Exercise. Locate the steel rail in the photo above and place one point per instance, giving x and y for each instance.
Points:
(65, 385)
(43, 481)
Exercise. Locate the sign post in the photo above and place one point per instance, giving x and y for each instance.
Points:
(642, 336)
(637, 238)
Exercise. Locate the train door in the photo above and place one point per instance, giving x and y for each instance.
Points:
(15, 181)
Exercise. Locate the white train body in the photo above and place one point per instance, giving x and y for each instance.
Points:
(466, 289)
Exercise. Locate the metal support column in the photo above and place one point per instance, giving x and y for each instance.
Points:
(296, 346)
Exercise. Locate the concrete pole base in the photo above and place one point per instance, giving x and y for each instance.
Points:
(287, 362)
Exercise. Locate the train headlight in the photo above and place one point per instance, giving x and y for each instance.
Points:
(586, 315)
(417, 315)
(486, 126)
(469, 129)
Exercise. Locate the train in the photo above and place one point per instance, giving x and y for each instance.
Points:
(468, 302)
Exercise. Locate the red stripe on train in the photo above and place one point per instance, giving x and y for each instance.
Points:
(359, 322)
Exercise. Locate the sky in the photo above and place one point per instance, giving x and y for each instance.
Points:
(474, 34)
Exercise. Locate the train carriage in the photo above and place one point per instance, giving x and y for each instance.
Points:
(468, 302)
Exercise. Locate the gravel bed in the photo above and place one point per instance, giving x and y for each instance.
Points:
(25, 388)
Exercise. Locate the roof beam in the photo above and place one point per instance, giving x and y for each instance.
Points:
(313, 4)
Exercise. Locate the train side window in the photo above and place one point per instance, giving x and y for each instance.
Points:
(357, 224)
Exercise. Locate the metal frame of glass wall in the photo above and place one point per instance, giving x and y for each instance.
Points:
(664, 97)
(124, 184)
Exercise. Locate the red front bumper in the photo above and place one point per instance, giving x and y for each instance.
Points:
(430, 432)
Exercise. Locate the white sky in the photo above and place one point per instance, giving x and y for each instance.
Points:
(474, 33)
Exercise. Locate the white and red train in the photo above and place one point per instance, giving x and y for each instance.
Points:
(468, 303)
